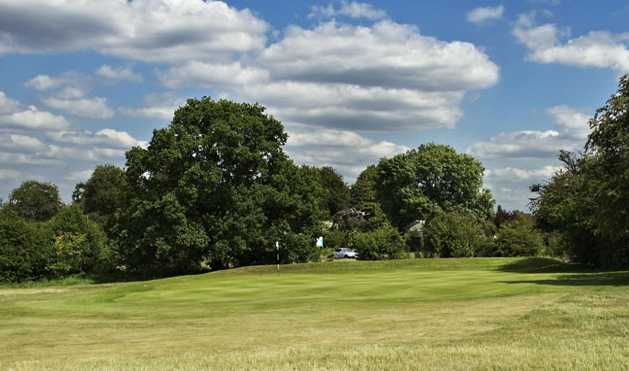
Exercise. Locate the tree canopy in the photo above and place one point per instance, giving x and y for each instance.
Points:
(104, 193)
(35, 200)
(587, 202)
(215, 186)
(432, 178)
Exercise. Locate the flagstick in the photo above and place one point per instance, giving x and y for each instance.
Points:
(277, 249)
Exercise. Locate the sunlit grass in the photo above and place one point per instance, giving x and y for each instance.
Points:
(409, 314)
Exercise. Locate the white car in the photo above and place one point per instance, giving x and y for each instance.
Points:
(345, 253)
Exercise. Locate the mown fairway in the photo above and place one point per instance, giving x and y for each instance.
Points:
(411, 314)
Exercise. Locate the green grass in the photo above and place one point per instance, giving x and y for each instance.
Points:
(451, 314)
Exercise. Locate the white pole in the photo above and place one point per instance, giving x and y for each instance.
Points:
(277, 257)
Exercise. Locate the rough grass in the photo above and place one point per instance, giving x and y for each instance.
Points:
(453, 314)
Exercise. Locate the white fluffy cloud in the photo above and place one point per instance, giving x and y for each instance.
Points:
(156, 106)
(511, 185)
(352, 9)
(45, 82)
(387, 54)
(7, 105)
(118, 73)
(482, 15)
(148, 30)
(386, 76)
(32, 118)
(599, 49)
(521, 158)
(344, 150)
(67, 94)
(213, 74)
(84, 107)
(36, 144)
(572, 129)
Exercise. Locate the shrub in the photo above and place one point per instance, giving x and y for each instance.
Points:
(80, 245)
(519, 238)
(381, 243)
(455, 234)
(25, 250)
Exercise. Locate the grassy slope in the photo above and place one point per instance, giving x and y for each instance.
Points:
(415, 314)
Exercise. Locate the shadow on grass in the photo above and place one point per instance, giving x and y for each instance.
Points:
(588, 279)
(542, 265)
(575, 274)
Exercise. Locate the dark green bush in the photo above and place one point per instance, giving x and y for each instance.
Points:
(382, 243)
(518, 238)
(455, 234)
(79, 244)
(25, 249)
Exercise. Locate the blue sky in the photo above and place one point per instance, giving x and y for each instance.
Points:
(510, 82)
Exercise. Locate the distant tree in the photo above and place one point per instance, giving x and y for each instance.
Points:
(35, 201)
(430, 179)
(518, 237)
(364, 189)
(104, 194)
(336, 193)
(586, 202)
(455, 234)
(215, 186)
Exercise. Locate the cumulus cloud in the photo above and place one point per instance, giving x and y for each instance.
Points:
(45, 82)
(118, 73)
(156, 106)
(147, 30)
(511, 185)
(352, 9)
(386, 76)
(36, 144)
(7, 105)
(95, 108)
(33, 118)
(483, 15)
(601, 49)
(521, 158)
(212, 74)
(67, 93)
(572, 129)
(344, 150)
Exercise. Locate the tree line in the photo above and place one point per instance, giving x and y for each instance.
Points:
(215, 190)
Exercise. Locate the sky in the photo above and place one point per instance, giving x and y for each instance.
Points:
(508, 82)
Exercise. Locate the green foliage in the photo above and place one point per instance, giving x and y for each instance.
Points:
(381, 243)
(336, 195)
(587, 202)
(104, 194)
(455, 234)
(24, 249)
(430, 179)
(35, 200)
(518, 237)
(364, 189)
(215, 186)
(79, 244)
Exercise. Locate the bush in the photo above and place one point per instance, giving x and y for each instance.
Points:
(80, 245)
(518, 238)
(382, 243)
(25, 250)
(455, 234)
